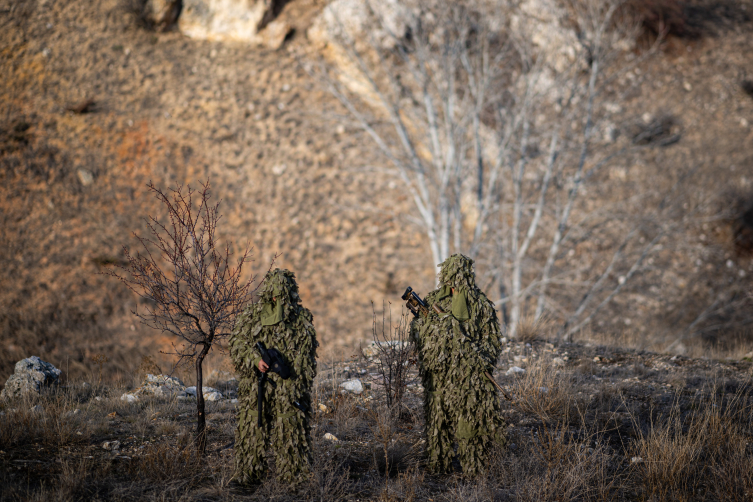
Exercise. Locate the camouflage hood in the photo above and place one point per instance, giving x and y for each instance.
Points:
(457, 272)
(279, 296)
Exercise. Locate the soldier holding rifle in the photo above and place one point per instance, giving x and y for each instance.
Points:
(273, 347)
(457, 336)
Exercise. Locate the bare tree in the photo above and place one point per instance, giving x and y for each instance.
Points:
(459, 107)
(192, 290)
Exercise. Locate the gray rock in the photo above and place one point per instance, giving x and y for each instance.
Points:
(355, 386)
(31, 376)
(515, 370)
(85, 177)
(162, 386)
(558, 362)
(130, 398)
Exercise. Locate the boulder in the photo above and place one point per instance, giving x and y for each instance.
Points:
(233, 20)
(355, 386)
(31, 376)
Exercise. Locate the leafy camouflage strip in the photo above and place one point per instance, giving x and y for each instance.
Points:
(461, 405)
(285, 428)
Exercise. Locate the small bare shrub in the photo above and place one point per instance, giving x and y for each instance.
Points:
(393, 355)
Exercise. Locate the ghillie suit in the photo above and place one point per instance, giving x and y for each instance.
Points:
(280, 322)
(455, 349)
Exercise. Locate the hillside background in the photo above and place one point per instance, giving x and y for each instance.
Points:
(296, 178)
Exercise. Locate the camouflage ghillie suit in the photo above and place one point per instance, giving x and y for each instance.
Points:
(285, 325)
(461, 405)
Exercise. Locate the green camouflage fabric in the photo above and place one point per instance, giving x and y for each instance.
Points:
(287, 326)
(461, 405)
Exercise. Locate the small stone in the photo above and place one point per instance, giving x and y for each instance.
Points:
(636, 460)
(558, 362)
(515, 370)
(322, 408)
(687, 86)
(330, 437)
(234, 401)
(129, 398)
(85, 177)
(111, 445)
(355, 386)
(597, 359)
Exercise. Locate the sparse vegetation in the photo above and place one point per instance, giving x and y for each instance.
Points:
(612, 429)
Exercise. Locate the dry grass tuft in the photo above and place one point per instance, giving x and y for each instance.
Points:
(543, 392)
(166, 462)
(673, 458)
(530, 329)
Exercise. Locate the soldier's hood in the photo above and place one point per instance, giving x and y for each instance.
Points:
(457, 272)
(278, 296)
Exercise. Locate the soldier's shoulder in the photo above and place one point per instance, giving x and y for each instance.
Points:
(249, 317)
(431, 296)
(305, 317)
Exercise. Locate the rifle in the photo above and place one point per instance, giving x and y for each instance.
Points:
(276, 363)
(418, 306)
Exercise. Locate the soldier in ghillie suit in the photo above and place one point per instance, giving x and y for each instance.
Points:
(455, 349)
(280, 322)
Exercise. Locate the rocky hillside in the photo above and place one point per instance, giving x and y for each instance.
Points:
(94, 103)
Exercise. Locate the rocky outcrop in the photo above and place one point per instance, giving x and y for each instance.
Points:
(31, 376)
(380, 22)
(234, 20)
